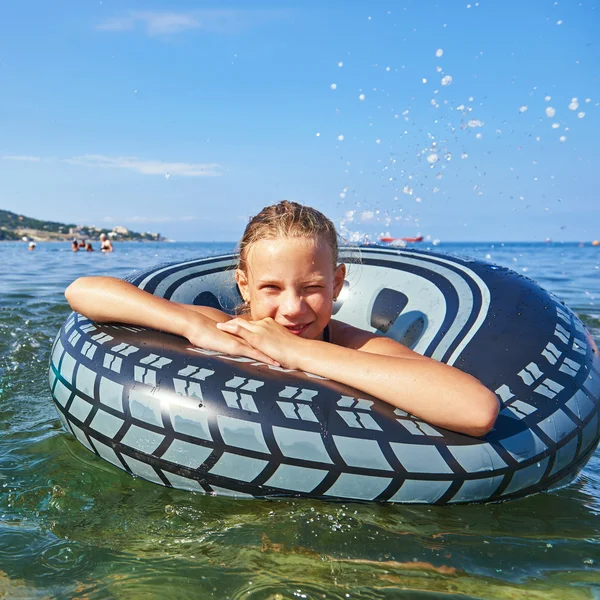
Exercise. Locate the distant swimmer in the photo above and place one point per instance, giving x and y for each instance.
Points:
(105, 243)
(89, 247)
(596, 243)
(31, 246)
(74, 246)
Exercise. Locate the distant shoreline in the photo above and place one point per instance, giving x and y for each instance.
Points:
(14, 227)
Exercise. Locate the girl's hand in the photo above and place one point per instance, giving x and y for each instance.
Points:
(204, 333)
(267, 336)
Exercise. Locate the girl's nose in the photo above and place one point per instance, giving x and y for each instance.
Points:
(292, 304)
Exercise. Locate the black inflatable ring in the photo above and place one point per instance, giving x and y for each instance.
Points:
(188, 418)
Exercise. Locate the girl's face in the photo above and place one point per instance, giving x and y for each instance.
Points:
(293, 281)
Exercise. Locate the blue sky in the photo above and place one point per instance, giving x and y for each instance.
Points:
(459, 120)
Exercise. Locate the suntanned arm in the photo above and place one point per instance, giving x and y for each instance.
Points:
(433, 391)
(111, 300)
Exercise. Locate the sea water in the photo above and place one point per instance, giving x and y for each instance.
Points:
(72, 525)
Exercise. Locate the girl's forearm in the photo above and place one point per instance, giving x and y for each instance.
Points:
(432, 391)
(106, 299)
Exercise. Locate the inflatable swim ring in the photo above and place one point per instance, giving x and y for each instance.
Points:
(188, 418)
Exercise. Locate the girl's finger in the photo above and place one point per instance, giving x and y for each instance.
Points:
(239, 329)
(233, 324)
(241, 349)
(228, 326)
(237, 345)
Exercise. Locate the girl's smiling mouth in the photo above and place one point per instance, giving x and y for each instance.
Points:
(297, 329)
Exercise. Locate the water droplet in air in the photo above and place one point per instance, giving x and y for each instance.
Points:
(167, 175)
(550, 111)
(340, 64)
(563, 138)
(580, 115)
(341, 138)
(523, 109)
(439, 52)
(333, 86)
(574, 104)
(361, 97)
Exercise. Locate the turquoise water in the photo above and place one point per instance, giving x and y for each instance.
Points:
(74, 526)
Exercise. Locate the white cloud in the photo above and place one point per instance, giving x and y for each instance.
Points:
(160, 23)
(23, 158)
(147, 167)
(155, 23)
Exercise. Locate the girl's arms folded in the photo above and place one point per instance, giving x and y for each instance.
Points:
(433, 391)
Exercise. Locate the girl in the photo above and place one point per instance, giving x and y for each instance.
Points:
(289, 278)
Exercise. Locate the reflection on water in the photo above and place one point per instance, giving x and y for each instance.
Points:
(72, 525)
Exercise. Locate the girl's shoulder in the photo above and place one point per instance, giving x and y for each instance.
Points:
(355, 338)
(348, 336)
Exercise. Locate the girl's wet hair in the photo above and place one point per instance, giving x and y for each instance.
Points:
(287, 220)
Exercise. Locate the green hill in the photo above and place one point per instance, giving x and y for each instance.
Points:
(15, 227)
(11, 224)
